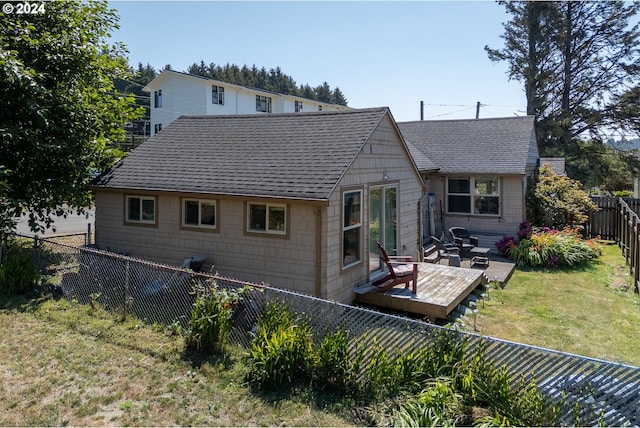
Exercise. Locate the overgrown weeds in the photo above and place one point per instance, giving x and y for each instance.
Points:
(18, 272)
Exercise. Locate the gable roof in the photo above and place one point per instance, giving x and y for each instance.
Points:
(472, 146)
(289, 155)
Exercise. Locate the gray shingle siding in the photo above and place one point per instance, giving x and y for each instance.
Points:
(293, 156)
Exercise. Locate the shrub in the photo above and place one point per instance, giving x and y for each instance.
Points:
(211, 318)
(546, 247)
(336, 367)
(18, 273)
(437, 405)
(507, 242)
(282, 350)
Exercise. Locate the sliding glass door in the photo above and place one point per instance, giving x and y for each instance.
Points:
(383, 214)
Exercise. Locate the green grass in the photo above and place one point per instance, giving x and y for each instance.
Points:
(589, 311)
(66, 364)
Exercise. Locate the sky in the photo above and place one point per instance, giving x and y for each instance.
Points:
(379, 53)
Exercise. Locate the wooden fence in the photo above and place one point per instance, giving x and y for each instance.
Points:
(617, 220)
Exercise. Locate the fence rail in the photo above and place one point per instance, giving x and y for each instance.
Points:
(617, 220)
(605, 392)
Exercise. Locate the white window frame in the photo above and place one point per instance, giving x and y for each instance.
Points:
(473, 196)
(217, 95)
(200, 203)
(157, 128)
(142, 199)
(349, 225)
(279, 229)
(298, 106)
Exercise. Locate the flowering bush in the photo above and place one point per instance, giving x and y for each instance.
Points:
(507, 242)
(547, 247)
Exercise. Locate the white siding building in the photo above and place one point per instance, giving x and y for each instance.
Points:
(174, 94)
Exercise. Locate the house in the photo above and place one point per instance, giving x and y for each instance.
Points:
(477, 171)
(297, 200)
(174, 94)
(557, 165)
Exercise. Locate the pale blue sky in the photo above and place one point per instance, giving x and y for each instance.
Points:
(392, 54)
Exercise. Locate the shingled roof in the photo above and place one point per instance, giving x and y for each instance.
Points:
(290, 155)
(474, 146)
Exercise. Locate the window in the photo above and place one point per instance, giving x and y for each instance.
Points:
(141, 209)
(263, 104)
(267, 218)
(351, 227)
(319, 108)
(157, 128)
(199, 213)
(157, 97)
(217, 94)
(473, 195)
(298, 106)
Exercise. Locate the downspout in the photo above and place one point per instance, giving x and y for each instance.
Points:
(421, 226)
(318, 213)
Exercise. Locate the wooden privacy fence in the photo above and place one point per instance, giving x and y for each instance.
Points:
(617, 220)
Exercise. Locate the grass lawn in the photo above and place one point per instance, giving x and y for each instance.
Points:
(588, 311)
(66, 364)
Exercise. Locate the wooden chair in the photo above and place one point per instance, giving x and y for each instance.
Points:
(401, 271)
(444, 250)
(463, 240)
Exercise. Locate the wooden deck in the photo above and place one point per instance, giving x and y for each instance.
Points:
(441, 288)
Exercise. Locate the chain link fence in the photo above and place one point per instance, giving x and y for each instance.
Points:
(604, 392)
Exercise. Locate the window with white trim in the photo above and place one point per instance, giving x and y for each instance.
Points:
(263, 104)
(267, 218)
(298, 106)
(217, 95)
(157, 128)
(157, 98)
(199, 213)
(351, 227)
(141, 209)
(473, 195)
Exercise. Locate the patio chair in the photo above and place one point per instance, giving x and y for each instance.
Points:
(444, 251)
(463, 240)
(401, 271)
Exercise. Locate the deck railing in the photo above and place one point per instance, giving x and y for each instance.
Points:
(595, 391)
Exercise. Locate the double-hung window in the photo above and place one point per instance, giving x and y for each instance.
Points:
(157, 98)
(473, 195)
(263, 104)
(217, 95)
(351, 227)
(199, 213)
(141, 209)
(267, 218)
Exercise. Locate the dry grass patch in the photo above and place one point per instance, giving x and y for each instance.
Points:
(67, 364)
(590, 311)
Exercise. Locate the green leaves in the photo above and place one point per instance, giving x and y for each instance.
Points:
(560, 199)
(61, 112)
(211, 318)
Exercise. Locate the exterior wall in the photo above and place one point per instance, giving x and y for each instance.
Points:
(311, 255)
(185, 95)
(284, 263)
(179, 96)
(382, 153)
(512, 210)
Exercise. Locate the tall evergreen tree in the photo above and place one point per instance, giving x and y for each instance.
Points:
(273, 80)
(575, 60)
